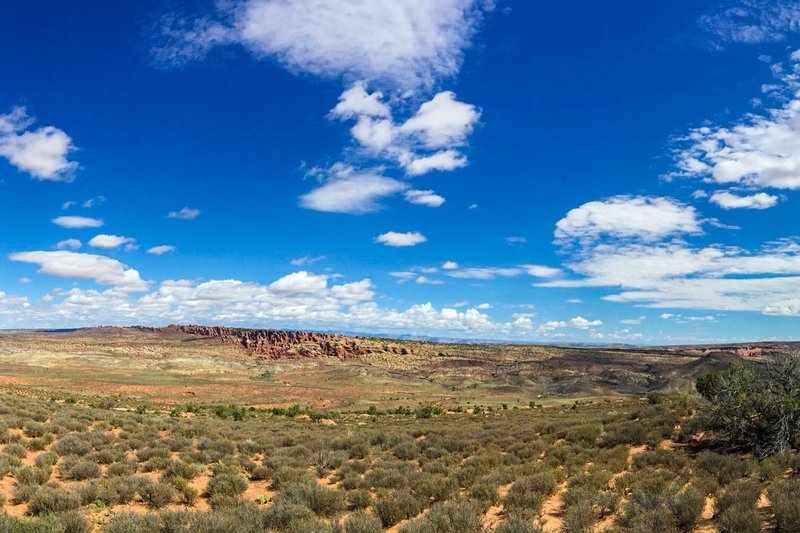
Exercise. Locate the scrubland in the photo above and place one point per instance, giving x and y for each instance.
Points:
(634, 465)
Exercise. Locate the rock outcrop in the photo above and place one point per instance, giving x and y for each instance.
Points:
(277, 344)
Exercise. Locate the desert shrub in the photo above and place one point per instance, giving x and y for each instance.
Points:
(16, 449)
(671, 459)
(154, 494)
(46, 459)
(28, 475)
(180, 469)
(359, 499)
(724, 468)
(72, 444)
(739, 520)
(123, 468)
(686, 507)
(586, 434)
(579, 517)
(260, 473)
(22, 493)
(517, 524)
(455, 516)
(623, 433)
(285, 476)
(80, 470)
(117, 490)
(406, 450)
(392, 507)
(785, 497)
(742, 494)
(133, 523)
(34, 429)
(484, 493)
(322, 500)
(43, 524)
(49, 499)
(282, 515)
(227, 484)
(434, 487)
(74, 522)
(756, 409)
(362, 522)
(528, 493)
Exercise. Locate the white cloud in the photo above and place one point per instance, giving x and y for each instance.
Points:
(444, 160)
(675, 275)
(489, 273)
(541, 271)
(425, 280)
(397, 239)
(42, 152)
(449, 265)
(404, 43)
(727, 200)
(91, 202)
(109, 242)
(755, 151)
(633, 321)
(442, 122)
(627, 217)
(484, 305)
(485, 273)
(515, 240)
(577, 323)
(299, 282)
(72, 244)
(161, 249)
(75, 222)
(427, 198)
(356, 101)
(351, 191)
(306, 260)
(101, 269)
(68, 204)
(185, 213)
(754, 21)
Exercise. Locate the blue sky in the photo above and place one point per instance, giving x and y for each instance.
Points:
(623, 172)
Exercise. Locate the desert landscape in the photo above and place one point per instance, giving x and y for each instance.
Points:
(193, 428)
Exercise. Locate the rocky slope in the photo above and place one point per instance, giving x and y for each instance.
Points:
(276, 344)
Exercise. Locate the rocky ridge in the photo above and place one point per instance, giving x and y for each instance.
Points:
(277, 344)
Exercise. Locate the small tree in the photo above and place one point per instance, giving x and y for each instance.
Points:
(758, 408)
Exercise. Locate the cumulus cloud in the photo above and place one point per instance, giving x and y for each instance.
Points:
(184, 213)
(43, 152)
(299, 282)
(627, 217)
(109, 242)
(449, 265)
(727, 200)
(578, 323)
(676, 275)
(72, 244)
(404, 44)
(398, 239)
(161, 249)
(103, 270)
(757, 150)
(426, 141)
(347, 190)
(427, 198)
(76, 222)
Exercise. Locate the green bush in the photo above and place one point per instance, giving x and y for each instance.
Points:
(579, 517)
(785, 497)
(362, 522)
(455, 516)
(743, 494)
(528, 493)
(227, 484)
(72, 445)
(133, 523)
(517, 524)
(739, 520)
(686, 507)
(154, 494)
(48, 499)
(392, 507)
(321, 500)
